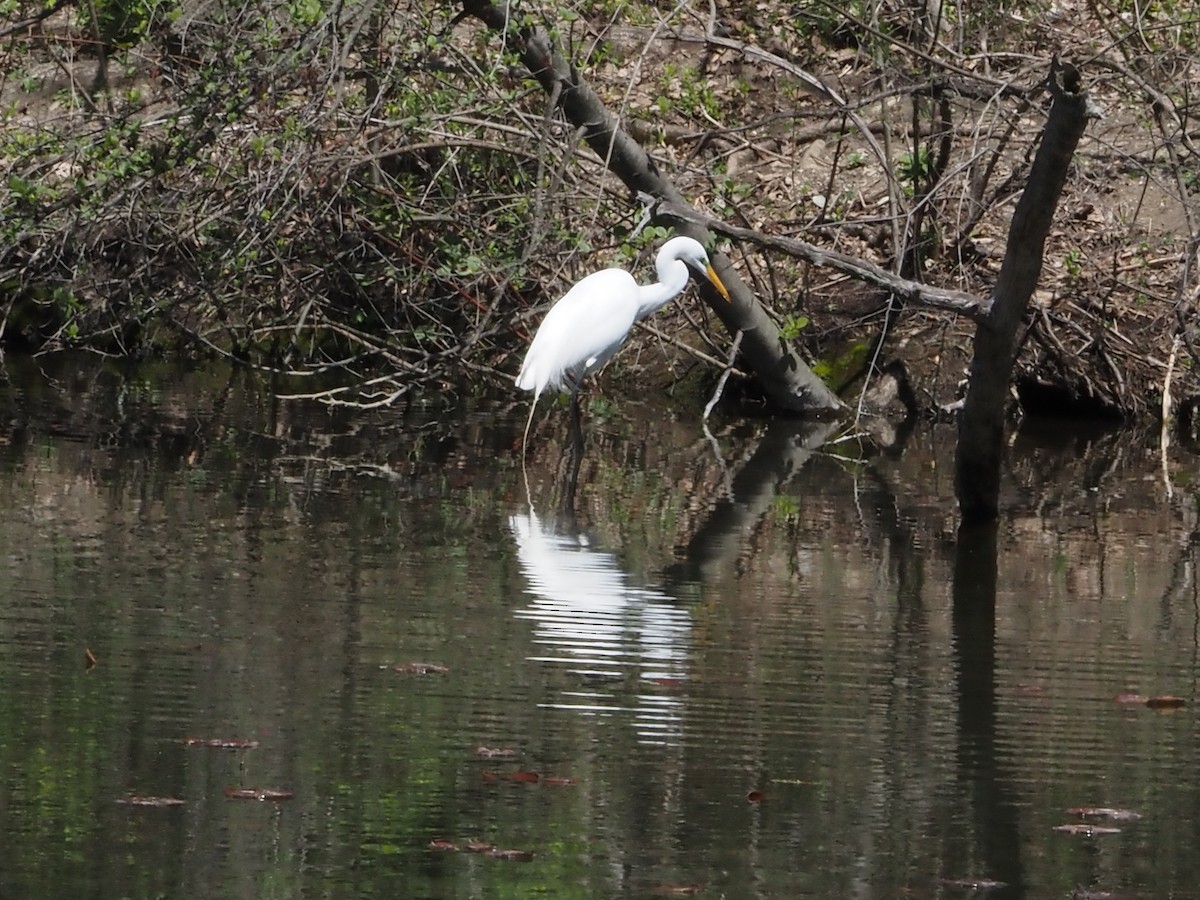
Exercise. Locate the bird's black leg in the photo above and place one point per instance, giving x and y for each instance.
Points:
(571, 482)
(576, 425)
(571, 478)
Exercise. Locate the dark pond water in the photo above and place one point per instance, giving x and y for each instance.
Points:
(771, 672)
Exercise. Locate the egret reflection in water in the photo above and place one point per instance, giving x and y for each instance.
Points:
(622, 642)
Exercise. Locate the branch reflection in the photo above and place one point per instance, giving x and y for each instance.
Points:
(717, 543)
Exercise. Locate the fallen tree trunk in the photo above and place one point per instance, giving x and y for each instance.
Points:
(981, 424)
(784, 377)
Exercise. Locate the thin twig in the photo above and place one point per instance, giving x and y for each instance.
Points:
(733, 350)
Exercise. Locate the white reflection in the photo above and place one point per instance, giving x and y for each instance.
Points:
(619, 639)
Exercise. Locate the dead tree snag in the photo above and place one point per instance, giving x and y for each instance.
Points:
(981, 425)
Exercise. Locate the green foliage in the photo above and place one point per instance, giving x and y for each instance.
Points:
(684, 89)
(305, 12)
(838, 369)
(292, 181)
(1073, 263)
(31, 192)
(792, 327)
(29, 83)
(645, 239)
(69, 308)
(727, 192)
(122, 23)
(601, 407)
(915, 169)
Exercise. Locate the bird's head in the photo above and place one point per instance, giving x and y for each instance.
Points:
(692, 254)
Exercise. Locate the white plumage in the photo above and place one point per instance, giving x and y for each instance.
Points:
(590, 322)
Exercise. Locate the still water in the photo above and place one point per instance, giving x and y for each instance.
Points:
(736, 667)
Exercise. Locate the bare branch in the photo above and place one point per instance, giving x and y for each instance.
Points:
(863, 270)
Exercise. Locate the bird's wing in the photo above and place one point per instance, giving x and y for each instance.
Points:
(582, 330)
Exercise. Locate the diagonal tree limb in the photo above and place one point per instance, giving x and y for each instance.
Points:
(915, 292)
(783, 376)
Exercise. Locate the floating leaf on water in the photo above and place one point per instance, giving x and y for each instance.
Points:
(221, 743)
(89, 659)
(478, 847)
(973, 884)
(257, 794)
(496, 753)
(1086, 829)
(1139, 699)
(439, 844)
(755, 796)
(528, 778)
(1104, 812)
(421, 668)
(797, 781)
(511, 855)
(150, 801)
(1166, 702)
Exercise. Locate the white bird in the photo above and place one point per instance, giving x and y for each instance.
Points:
(591, 321)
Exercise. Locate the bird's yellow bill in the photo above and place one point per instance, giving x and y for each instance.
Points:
(712, 276)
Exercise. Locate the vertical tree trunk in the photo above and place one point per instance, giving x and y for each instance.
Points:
(981, 426)
(780, 372)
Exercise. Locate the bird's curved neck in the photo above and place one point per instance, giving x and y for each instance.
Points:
(672, 279)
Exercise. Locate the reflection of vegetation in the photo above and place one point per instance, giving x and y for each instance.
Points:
(268, 599)
(787, 509)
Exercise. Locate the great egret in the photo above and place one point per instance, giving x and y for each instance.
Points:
(591, 321)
